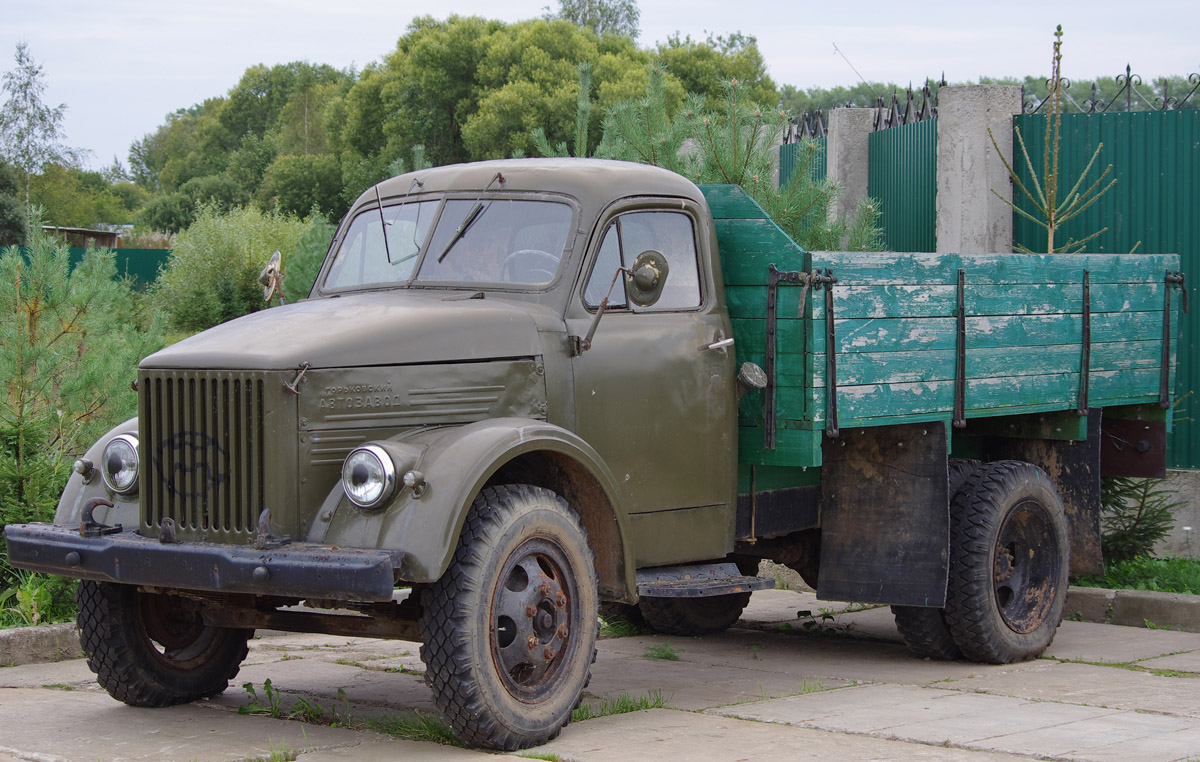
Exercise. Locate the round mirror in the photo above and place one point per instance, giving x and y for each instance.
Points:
(649, 276)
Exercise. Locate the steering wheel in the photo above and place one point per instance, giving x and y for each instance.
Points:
(529, 266)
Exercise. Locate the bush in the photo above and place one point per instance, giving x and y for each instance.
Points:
(300, 271)
(69, 343)
(1135, 515)
(1166, 575)
(212, 275)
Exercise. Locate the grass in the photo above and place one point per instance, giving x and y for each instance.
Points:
(1164, 575)
(280, 753)
(59, 687)
(622, 704)
(543, 755)
(418, 727)
(664, 651)
(621, 628)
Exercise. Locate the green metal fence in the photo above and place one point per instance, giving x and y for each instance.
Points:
(902, 176)
(142, 265)
(792, 154)
(1155, 156)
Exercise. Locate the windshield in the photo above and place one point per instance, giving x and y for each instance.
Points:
(489, 240)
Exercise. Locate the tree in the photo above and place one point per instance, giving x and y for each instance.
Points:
(296, 184)
(736, 144)
(702, 67)
(30, 131)
(602, 17)
(13, 220)
(69, 339)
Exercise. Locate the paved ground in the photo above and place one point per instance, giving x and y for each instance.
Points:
(770, 689)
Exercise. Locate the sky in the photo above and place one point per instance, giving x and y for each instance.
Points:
(121, 66)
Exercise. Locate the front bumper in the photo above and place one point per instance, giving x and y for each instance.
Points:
(296, 570)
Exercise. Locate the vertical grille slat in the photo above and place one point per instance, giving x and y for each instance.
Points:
(205, 450)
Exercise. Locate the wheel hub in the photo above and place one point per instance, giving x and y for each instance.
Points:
(1025, 567)
(531, 620)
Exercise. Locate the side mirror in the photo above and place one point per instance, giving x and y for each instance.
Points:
(650, 271)
(271, 278)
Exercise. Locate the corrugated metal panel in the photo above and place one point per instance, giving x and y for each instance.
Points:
(1155, 157)
(789, 156)
(902, 175)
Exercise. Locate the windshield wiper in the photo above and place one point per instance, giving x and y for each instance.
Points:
(469, 220)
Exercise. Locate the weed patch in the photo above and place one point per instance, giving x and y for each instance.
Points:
(664, 651)
(1164, 575)
(622, 704)
(418, 727)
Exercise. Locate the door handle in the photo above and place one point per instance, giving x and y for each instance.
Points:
(723, 343)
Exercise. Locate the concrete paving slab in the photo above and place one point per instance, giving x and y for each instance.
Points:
(1116, 737)
(74, 672)
(1086, 641)
(692, 685)
(92, 726)
(377, 750)
(833, 656)
(369, 692)
(1188, 661)
(925, 715)
(1088, 684)
(663, 734)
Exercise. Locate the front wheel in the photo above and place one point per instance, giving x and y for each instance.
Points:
(1008, 564)
(509, 629)
(151, 649)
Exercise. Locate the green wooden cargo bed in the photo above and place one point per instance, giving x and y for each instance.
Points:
(905, 353)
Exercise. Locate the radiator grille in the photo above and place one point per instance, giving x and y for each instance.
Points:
(202, 443)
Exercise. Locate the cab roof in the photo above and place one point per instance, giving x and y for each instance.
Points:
(594, 182)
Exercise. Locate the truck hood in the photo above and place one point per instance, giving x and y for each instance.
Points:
(376, 328)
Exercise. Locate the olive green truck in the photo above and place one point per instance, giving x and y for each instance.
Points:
(524, 390)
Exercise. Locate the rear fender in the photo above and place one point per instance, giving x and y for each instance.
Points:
(456, 464)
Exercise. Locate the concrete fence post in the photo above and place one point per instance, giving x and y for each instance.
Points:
(970, 218)
(846, 155)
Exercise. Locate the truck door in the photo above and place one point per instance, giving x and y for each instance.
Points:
(652, 394)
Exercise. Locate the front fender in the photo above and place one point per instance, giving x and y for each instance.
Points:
(457, 463)
(77, 492)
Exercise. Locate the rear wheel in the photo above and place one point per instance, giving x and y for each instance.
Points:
(1009, 557)
(509, 629)
(693, 616)
(698, 616)
(923, 628)
(150, 649)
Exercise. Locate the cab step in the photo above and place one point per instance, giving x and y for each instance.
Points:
(697, 581)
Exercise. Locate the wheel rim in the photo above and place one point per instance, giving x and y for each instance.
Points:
(1026, 567)
(173, 629)
(533, 611)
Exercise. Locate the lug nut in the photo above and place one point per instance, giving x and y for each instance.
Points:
(532, 642)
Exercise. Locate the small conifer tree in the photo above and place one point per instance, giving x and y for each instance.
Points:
(70, 340)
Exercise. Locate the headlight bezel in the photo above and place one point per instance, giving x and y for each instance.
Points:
(387, 470)
(110, 480)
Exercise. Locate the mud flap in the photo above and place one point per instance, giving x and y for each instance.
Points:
(885, 516)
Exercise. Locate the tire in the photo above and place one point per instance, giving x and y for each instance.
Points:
(923, 628)
(153, 650)
(693, 616)
(522, 573)
(1009, 561)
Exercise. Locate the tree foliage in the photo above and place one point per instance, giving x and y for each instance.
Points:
(69, 341)
(1135, 515)
(31, 133)
(601, 17)
(703, 67)
(212, 275)
(13, 220)
(736, 144)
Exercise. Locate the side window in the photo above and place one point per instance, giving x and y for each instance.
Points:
(670, 233)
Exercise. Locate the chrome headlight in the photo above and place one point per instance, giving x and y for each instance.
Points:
(120, 465)
(369, 476)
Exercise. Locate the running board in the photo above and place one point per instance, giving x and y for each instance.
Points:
(697, 581)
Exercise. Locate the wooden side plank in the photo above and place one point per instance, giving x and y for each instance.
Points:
(891, 268)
